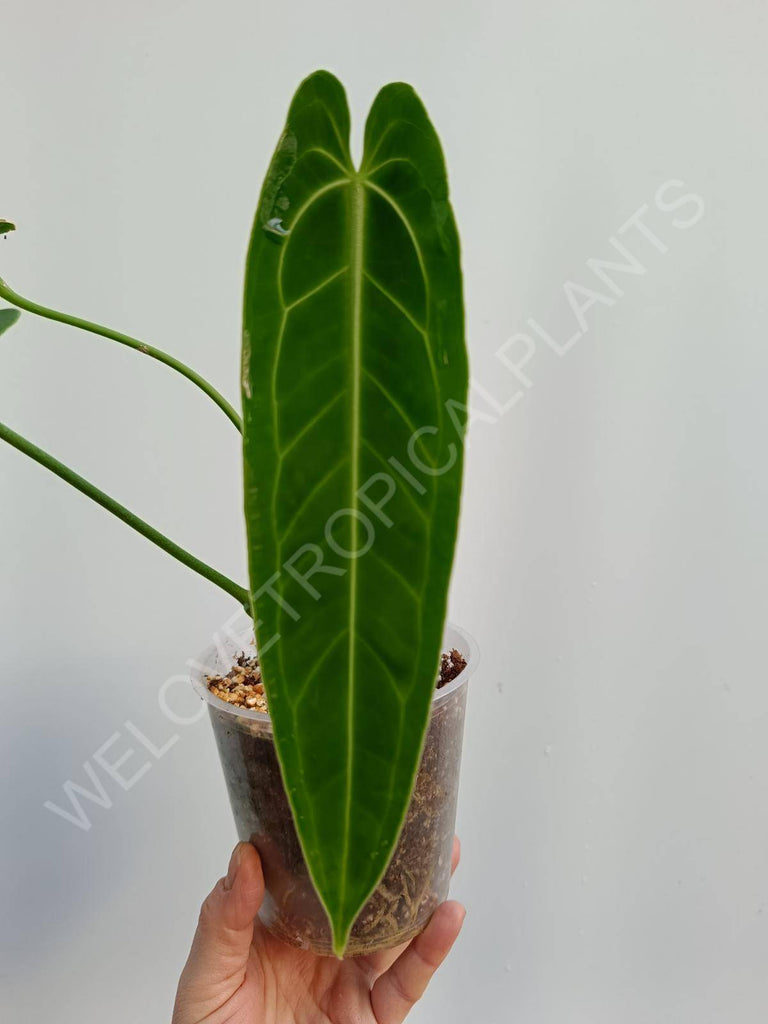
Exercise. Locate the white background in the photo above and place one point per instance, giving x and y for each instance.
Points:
(613, 552)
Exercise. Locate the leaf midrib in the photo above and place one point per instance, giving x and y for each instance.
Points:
(356, 271)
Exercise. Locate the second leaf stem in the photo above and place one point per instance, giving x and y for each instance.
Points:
(13, 297)
(130, 518)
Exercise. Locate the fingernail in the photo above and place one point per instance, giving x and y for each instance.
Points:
(234, 864)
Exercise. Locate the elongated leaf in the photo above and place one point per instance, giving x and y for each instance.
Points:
(8, 318)
(353, 343)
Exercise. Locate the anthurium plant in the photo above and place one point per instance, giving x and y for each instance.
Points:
(354, 380)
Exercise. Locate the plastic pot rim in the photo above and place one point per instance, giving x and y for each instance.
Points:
(453, 636)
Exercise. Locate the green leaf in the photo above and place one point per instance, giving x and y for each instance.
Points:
(8, 318)
(6, 226)
(353, 343)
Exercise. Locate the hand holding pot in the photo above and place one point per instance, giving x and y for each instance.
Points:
(238, 973)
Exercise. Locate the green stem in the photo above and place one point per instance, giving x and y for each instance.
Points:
(10, 295)
(23, 445)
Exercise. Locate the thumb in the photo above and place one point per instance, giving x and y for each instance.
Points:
(217, 961)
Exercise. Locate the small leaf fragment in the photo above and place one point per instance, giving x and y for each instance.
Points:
(6, 226)
(8, 318)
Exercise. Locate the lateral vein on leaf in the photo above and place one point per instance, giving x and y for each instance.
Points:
(400, 411)
(306, 429)
(382, 138)
(406, 224)
(394, 160)
(315, 290)
(296, 702)
(330, 156)
(281, 332)
(344, 146)
(308, 202)
(405, 583)
(387, 671)
(397, 304)
(310, 377)
(403, 490)
(422, 265)
(302, 507)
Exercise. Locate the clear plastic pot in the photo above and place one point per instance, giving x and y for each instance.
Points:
(418, 875)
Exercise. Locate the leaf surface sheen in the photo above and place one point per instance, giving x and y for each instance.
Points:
(353, 341)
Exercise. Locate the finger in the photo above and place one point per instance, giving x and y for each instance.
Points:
(396, 991)
(455, 854)
(377, 963)
(222, 942)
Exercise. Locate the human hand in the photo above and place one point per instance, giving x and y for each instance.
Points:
(238, 973)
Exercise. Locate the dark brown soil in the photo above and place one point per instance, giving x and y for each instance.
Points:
(451, 664)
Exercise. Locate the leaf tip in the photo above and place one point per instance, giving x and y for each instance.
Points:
(321, 76)
(341, 928)
(6, 226)
(340, 937)
(324, 86)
